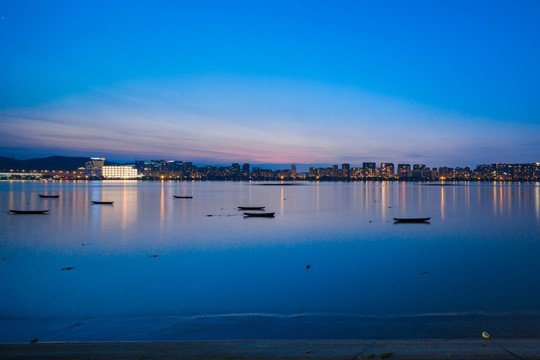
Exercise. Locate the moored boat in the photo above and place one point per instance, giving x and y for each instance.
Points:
(49, 196)
(182, 197)
(251, 207)
(268, 214)
(29, 211)
(102, 202)
(411, 220)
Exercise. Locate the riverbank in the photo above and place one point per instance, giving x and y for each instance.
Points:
(245, 327)
(279, 349)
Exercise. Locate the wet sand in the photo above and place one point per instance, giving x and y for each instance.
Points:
(279, 349)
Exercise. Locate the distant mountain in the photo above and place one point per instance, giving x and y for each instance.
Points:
(48, 163)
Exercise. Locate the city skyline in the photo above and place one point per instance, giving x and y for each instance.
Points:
(97, 168)
(301, 167)
(441, 84)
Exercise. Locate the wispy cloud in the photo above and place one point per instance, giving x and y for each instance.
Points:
(277, 121)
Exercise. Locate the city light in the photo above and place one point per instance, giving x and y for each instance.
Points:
(96, 169)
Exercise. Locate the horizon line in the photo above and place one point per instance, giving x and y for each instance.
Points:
(257, 164)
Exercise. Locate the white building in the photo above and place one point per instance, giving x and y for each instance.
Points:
(119, 172)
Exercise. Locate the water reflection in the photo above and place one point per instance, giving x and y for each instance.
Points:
(537, 200)
(442, 201)
(224, 263)
(162, 208)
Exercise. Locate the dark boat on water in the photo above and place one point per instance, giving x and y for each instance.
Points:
(102, 202)
(49, 196)
(411, 220)
(251, 207)
(182, 197)
(268, 214)
(29, 211)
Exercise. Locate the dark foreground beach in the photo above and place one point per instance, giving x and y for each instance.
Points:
(279, 349)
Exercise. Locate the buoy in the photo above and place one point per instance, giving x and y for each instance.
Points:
(485, 335)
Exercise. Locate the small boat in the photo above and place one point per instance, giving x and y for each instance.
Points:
(268, 214)
(411, 220)
(251, 207)
(28, 211)
(182, 197)
(49, 196)
(102, 202)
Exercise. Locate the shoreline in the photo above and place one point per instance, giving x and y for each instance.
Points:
(275, 327)
(282, 349)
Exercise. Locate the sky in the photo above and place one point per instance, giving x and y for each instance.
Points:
(442, 83)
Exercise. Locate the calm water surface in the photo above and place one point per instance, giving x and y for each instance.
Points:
(152, 267)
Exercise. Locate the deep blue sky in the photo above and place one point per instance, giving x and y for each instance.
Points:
(443, 83)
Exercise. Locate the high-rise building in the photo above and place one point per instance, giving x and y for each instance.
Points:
(334, 171)
(402, 170)
(356, 173)
(387, 170)
(235, 169)
(369, 169)
(419, 167)
(256, 172)
(293, 170)
(445, 173)
(346, 170)
(94, 166)
(245, 169)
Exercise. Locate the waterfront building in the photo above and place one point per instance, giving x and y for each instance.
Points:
(357, 173)
(424, 174)
(346, 170)
(403, 169)
(334, 172)
(267, 174)
(293, 170)
(387, 170)
(369, 169)
(119, 172)
(256, 172)
(94, 166)
(444, 173)
(283, 174)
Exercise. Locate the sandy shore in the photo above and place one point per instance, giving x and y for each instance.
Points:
(282, 349)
